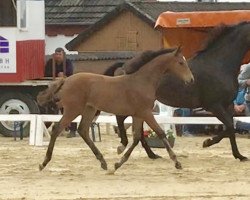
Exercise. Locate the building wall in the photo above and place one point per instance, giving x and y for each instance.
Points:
(52, 42)
(126, 32)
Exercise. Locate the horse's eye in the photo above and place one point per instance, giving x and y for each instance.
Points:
(181, 62)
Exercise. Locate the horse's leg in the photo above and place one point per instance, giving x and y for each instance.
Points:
(124, 139)
(148, 150)
(56, 130)
(123, 134)
(150, 120)
(137, 126)
(224, 116)
(83, 130)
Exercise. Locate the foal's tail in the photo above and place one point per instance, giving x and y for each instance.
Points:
(48, 96)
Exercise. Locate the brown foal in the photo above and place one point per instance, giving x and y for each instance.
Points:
(134, 95)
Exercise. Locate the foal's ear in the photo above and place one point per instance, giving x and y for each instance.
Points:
(178, 50)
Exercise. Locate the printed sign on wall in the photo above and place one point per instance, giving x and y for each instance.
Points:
(7, 50)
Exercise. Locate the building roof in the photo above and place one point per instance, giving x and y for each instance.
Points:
(107, 18)
(107, 55)
(77, 12)
(149, 12)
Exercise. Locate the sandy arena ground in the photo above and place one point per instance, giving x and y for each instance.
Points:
(74, 173)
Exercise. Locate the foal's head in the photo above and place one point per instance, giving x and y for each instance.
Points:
(178, 66)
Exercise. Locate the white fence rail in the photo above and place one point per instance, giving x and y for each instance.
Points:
(37, 122)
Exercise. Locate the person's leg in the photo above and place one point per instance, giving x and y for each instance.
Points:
(72, 130)
(245, 126)
(186, 112)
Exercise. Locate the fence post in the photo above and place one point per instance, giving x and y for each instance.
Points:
(39, 131)
(32, 129)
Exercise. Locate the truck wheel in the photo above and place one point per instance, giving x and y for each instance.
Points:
(16, 103)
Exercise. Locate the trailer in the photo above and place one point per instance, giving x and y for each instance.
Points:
(192, 29)
(22, 59)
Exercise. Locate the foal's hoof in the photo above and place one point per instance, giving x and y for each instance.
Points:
(104, 166)
(117, 165)
(41, 167)
(206, 143)
(178, 165)
(120, 149)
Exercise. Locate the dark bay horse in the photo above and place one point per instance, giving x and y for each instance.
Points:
(134, 95)
(215, 70)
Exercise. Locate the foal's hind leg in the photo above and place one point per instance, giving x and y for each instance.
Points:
(150, 120)
(123, 133)
(124, 139)
(56, 130)
(87, 117)
(148, 150)
(137, 125)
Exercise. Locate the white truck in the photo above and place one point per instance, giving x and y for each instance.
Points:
(22, 57)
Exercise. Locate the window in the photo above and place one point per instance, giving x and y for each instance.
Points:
(7, 13)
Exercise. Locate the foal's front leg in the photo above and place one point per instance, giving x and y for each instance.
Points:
(150, 120)
(87, 117)
(56, 130)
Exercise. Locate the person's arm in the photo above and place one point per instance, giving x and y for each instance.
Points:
(69, 67)
(240, 98)
(242, 82)
(244, 77)
(48, 68)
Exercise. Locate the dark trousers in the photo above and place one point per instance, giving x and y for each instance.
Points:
(73, 126)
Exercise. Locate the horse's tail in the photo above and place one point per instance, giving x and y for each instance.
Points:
(48, 96)
(111, 70)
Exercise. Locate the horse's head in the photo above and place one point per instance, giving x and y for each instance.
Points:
(178, 66)
(44, 97)
(48, 96)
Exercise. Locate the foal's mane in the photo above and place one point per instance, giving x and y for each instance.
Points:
(218, 33)
(137, 62)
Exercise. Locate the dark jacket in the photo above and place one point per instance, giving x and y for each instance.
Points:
(59, 68)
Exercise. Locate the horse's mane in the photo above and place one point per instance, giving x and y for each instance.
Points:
(137, 62)
(141, 59)
(216, 34)
(111, 70)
